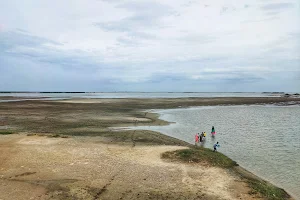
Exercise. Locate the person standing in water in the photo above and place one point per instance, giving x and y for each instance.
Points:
(196, 138)
(202, 137)
(215, 146)
(213, 132)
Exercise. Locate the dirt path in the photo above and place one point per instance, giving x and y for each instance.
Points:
(85, 168)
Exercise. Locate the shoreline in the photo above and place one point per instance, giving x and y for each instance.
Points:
(239, 170)
(94, 117)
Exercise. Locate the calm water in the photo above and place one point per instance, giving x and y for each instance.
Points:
(136, 95)
(263, 139)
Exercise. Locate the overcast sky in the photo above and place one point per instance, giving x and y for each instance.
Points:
(148, 45)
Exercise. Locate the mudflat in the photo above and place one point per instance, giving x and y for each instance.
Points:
(67, 150)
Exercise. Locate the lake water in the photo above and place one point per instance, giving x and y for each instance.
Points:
(263, 139)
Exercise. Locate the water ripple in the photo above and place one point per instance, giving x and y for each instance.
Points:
(263, 139)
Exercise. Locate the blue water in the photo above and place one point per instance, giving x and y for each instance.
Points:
(263, 139)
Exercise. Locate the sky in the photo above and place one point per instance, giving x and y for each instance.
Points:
(150, 46)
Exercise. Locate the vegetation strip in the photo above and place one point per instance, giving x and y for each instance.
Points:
(6, 132)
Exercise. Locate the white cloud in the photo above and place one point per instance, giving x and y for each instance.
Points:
(134, 41)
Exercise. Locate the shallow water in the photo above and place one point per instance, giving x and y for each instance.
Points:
(263, 139)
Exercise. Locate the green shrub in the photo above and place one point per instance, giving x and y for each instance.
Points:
(200, 155)
(6, 132)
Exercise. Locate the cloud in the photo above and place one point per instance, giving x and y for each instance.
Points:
(277, 6)
(15, 39)
(142, 15)
(274, 9)
(150, 45)
(272, 13)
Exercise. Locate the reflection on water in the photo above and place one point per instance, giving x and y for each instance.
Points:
(263, 139)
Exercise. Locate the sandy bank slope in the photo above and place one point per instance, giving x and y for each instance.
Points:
(84, 168)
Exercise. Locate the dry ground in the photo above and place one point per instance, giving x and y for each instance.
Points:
(39, 167)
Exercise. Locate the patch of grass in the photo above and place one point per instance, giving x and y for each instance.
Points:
(6, 132)
(266, 190)
(54, 136)
(200, 155)
(50, 135)
(155, 138)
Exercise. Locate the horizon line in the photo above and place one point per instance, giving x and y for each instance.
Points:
(131, 92)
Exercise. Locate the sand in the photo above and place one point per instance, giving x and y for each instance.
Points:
(35, 167)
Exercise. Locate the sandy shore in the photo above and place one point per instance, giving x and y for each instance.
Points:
(85, 168)
(105, 164)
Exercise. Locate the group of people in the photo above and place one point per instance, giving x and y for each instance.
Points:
(200, 138)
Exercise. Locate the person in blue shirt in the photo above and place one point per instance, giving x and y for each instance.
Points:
(215, 146)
